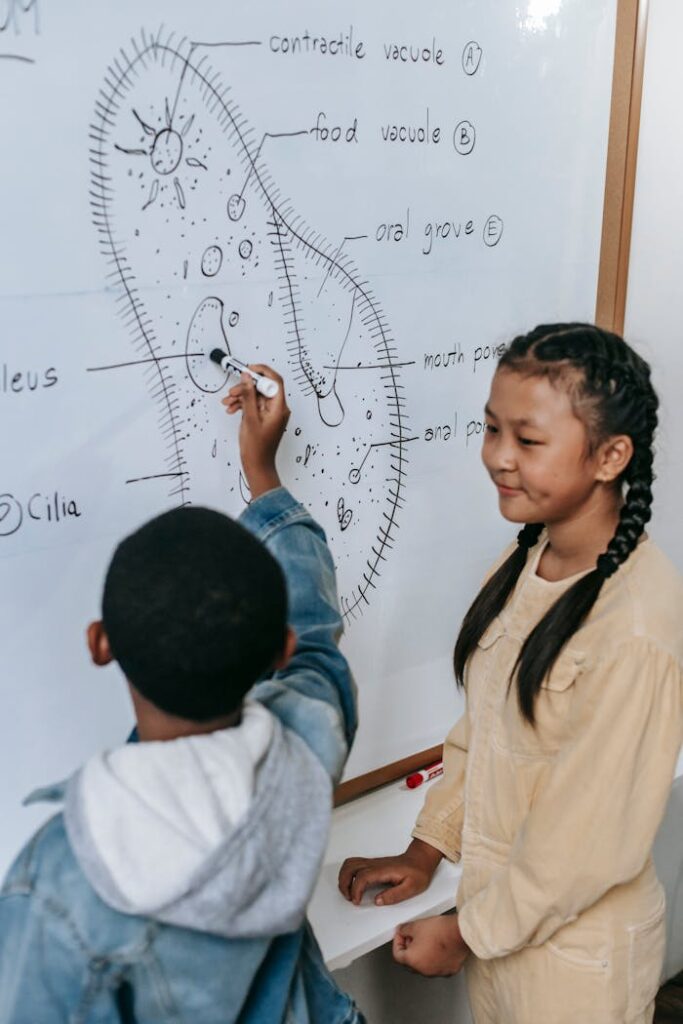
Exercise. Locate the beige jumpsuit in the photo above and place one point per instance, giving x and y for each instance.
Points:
(559, 900)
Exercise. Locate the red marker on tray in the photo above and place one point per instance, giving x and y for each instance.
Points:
(424, 775)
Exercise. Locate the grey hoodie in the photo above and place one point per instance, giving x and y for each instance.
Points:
(223, 833)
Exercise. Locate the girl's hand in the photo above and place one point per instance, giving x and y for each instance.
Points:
(433, 946)
(263, 424)
(405, 876)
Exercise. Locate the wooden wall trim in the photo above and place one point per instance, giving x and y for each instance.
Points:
(622, 155)
(387, 773)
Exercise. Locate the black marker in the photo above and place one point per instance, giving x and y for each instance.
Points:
(267, 387)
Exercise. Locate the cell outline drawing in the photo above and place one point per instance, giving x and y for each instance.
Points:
(286, 228)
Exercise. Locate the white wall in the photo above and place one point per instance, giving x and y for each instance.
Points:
(654, 308)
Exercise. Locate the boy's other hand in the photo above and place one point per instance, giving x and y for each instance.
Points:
(405, 876)
(263, 423)
(433, 946)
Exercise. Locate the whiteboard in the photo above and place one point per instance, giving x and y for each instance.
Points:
(372, 198)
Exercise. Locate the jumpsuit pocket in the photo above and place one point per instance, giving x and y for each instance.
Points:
(481, 665)
(512, 733)
(646, 946)
(584, 944)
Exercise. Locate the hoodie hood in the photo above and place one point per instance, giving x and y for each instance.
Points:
(223, 833)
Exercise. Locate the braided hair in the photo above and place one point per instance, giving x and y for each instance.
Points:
(610, 390)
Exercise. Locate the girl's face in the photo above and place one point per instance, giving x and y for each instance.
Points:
(537, 451)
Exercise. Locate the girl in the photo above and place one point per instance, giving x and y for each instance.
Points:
(557, 776)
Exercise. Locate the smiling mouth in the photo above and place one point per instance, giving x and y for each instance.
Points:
(507, 492)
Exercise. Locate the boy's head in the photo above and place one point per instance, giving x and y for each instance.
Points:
(195, 611)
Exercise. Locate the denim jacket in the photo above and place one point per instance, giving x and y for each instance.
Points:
(227, 941)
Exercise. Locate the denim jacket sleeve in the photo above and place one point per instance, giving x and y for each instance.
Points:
(314, 694)
(32, 937)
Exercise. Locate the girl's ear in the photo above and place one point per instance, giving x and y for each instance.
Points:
(614, 456)
(98, 644)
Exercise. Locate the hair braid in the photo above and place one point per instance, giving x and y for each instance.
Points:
(492, 598)
(636, 511)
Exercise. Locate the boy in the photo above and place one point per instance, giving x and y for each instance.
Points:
(173, 885)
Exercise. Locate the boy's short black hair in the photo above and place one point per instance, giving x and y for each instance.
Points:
(195, 609)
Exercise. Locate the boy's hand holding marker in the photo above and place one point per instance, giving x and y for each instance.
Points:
(264, 421)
